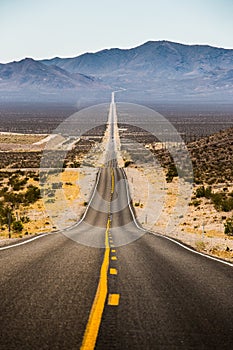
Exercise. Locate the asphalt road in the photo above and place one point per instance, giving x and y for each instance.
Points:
(47, 288)
(165, 296)
(170, 299)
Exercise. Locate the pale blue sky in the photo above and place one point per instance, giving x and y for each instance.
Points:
(65, 28)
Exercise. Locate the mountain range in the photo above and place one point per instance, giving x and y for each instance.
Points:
(156, 70)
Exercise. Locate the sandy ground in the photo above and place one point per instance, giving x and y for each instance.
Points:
(67, 209)
(21, 142)
(156, 204)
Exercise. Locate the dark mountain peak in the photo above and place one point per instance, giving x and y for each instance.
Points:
(101, 53)
(21, 67)
(159, 48)
(26, 64)
(26, 60)
(180, 46)
(157, 42)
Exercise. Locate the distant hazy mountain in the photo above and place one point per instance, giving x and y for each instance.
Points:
(29, 73)
(32, 80)
(154, 70)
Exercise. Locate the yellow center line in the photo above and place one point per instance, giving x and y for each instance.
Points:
(113, 299)
(113, 181)
(92, 328)
(94, 321)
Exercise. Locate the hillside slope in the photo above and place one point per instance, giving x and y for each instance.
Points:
(156, 70)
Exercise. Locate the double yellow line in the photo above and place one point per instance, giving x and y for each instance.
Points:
(93, 325)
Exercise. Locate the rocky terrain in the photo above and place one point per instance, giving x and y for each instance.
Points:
(211, 158)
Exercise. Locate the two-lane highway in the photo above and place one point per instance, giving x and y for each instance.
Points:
(151, 293)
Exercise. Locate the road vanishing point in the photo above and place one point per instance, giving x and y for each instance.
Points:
(137, 290)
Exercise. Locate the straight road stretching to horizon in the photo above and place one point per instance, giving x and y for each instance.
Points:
(125, 289)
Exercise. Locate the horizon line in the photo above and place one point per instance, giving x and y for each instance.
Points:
(116, 48)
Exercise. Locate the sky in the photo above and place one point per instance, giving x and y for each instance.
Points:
(68, 28)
